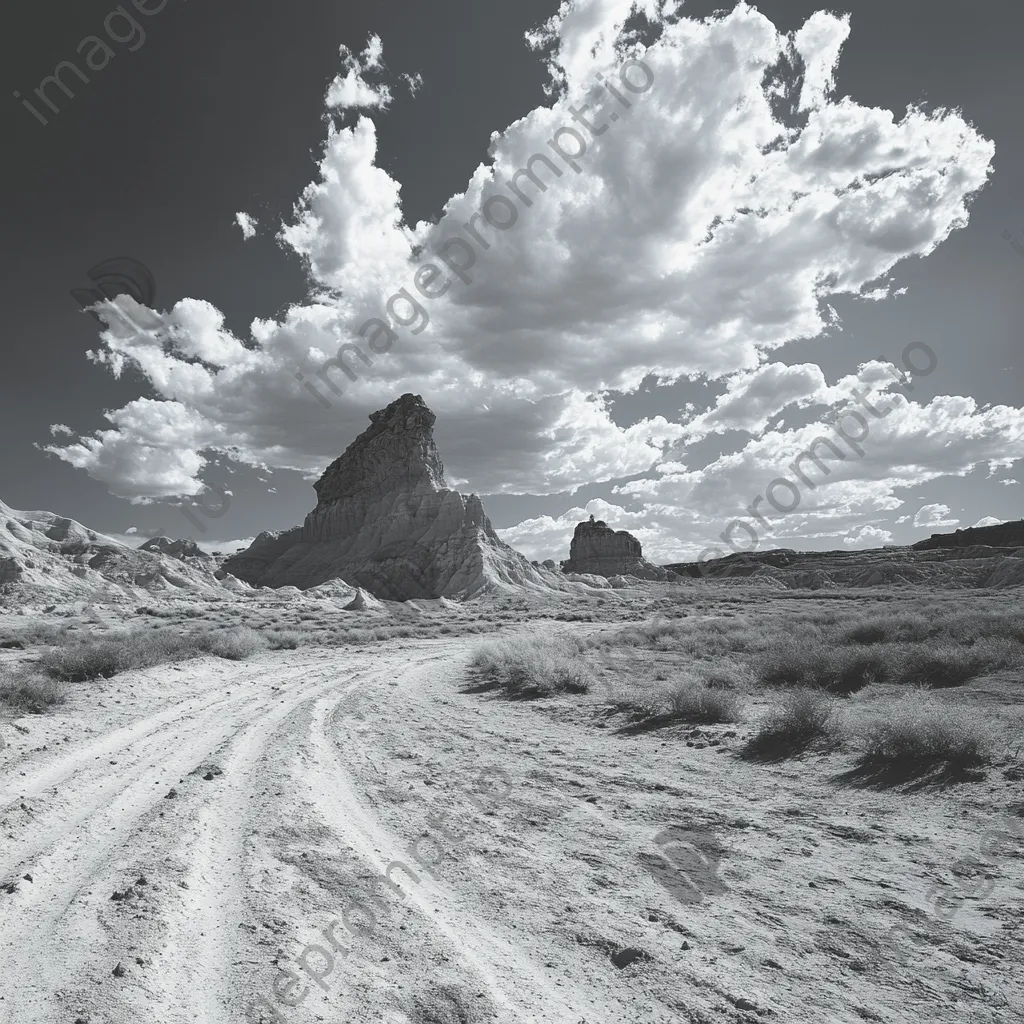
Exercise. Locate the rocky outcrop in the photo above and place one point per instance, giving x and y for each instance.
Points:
(598, 550)
(47, 557)
(174, 548)
(949, 568)
(1000, 535)
(386, 521)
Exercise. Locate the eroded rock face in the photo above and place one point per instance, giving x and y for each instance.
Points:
(385, 520)
(48, 557)
(598, 550)
(1000, 535)
(174, 548)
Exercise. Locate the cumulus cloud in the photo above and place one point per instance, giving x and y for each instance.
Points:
(131, 530)
(868, 536)
(689, 235)
(987, 521)
(247, 223)
(934, 515)
(549, 536)
(351, 89)
(834, 484)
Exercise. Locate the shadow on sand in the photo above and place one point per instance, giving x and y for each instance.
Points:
(910, 776)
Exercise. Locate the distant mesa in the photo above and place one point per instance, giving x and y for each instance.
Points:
(999, 535)
(980, 557)
(386, 521)
(598, 550)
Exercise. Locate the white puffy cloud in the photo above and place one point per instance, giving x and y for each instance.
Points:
(907, 444)
(247, 223)
(694, 236)
(987, 521)
(131, 530)
(351, 89)
(868, 536)
(934, 515)
(819, 43)
(549, 536)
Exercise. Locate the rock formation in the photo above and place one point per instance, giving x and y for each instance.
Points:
(46, 557)
(936, 566)
(386, 521)
(598, 550)
(174, 548)
(999, 535)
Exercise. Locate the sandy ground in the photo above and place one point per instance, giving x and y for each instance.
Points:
(360, 833)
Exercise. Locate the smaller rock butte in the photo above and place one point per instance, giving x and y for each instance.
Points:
(598, 550)
(385, 520)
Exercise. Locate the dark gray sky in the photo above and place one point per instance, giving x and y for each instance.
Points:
(220, 110)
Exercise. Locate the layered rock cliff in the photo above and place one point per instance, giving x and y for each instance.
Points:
(598, 550)
(999, 535)
(385, 520)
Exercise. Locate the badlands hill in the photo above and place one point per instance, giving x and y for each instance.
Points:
(385, 520)
(947, 566)
(47, 557)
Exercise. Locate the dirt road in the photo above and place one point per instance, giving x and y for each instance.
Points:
(348, 834)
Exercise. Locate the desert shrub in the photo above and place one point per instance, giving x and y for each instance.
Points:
(820, 665)
(28, 691)
(76, 659)
(22, 637)
(81, 659)
(940, 666)
(967, 626)
(284, 640)
(887, 629)
(724, 675)
(692, 701)
(532, 668)
(234, 644)
(918, 730)
(801, 719)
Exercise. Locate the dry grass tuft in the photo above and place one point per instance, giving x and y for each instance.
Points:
(27, 691)
(78, 659)
(533, 668)
(692, 701)
(802, 719)
(916, 730)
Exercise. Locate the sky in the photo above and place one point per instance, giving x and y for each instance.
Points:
(755, 236)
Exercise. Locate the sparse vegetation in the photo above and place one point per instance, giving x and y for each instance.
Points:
(533, 668)
(284, 640)
(234, 644)
(28, 691)
(692, 701)
(917, 730)
(78, 659)
(802, 718)
(947, 649)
